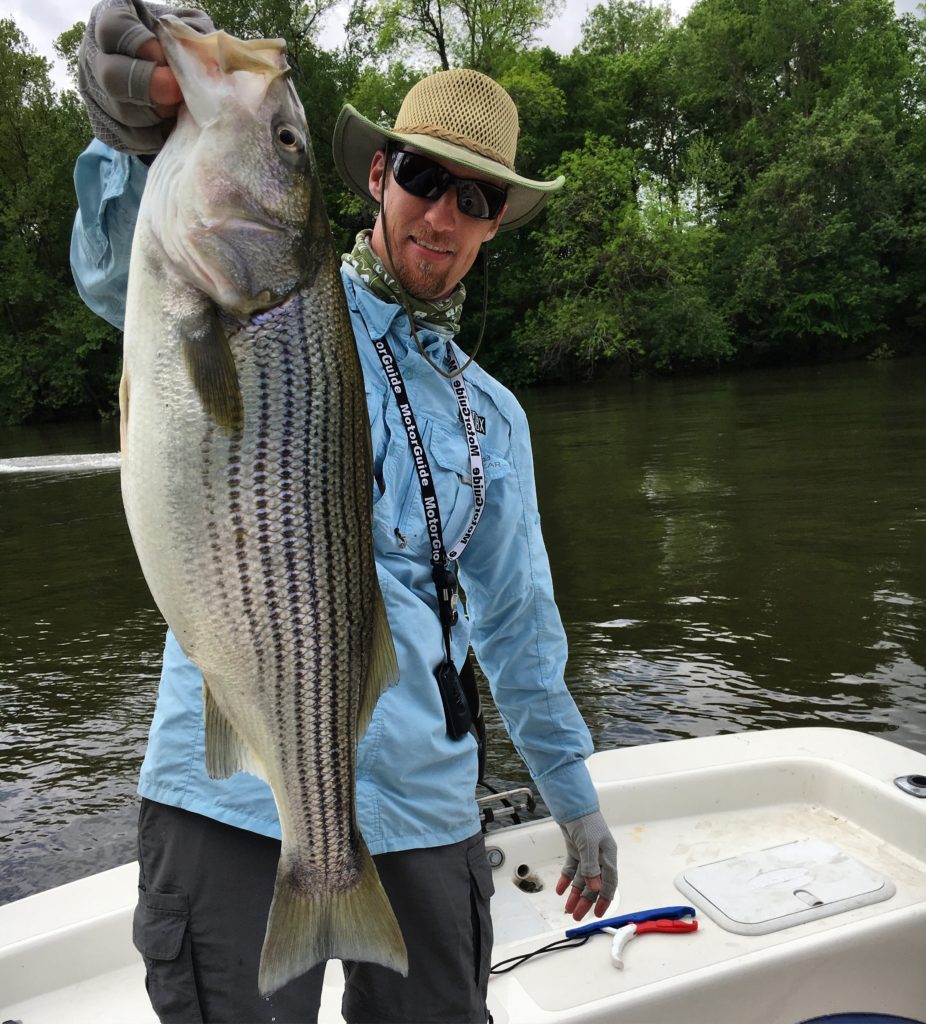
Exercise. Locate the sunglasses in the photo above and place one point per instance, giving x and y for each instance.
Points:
(422, 177)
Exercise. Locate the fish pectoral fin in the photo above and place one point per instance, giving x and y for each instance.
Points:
(211, 366)
(226, 752)
(384, 668)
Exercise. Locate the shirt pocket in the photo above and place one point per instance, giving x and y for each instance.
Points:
(451, 471)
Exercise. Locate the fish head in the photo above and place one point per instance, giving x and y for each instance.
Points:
(236, 177)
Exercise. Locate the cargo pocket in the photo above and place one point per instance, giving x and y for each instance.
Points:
(160, 932)
(482, 889)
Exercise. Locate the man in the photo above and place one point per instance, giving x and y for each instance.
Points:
(445, 183)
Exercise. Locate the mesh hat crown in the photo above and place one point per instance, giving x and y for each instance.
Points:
(459, 116)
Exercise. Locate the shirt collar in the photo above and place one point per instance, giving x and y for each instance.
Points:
(379, 316)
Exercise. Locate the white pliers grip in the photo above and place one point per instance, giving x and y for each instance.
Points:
(621, 937)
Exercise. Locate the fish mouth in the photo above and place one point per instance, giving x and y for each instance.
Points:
(241, 223)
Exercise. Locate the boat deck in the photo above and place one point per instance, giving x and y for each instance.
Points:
(67, 954)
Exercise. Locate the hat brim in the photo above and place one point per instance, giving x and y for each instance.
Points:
(356, 139)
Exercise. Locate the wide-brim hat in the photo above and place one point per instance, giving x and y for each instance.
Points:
(460, 116)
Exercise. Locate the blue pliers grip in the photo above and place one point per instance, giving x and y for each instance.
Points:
(658, 914)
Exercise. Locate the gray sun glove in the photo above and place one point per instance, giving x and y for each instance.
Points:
(591, 851)
(114, 83)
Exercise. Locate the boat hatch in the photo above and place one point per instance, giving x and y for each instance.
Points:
(781, 886)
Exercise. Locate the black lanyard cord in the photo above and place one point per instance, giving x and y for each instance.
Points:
(457, 712)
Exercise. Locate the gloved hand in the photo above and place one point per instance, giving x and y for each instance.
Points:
(130, 96)
(590, 865)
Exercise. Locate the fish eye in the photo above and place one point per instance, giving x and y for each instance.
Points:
(289, 138)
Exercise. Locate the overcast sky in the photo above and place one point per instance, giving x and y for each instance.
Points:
(43, 21)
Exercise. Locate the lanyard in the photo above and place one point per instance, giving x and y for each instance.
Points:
(457, 710)
(439, 555)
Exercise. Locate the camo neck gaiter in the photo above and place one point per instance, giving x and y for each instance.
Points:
(441, 315)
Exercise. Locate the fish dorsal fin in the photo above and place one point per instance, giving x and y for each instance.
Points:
(226, 752)
(384, 668)
(211, 366)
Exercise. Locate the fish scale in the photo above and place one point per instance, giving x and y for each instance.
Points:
(301, 653)
(247, 481)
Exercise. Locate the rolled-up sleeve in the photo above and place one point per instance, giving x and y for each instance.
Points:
(519, 639)
(109, 187)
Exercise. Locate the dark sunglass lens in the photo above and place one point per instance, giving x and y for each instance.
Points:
(419, 175)
(495, 199)
(472, 200)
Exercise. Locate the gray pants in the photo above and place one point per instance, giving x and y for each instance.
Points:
(204, 894)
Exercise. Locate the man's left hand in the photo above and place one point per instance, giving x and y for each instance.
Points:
(590, 866)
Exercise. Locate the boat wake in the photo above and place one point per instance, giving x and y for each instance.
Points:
(96, 462)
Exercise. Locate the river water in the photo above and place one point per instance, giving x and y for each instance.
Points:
(733, 552)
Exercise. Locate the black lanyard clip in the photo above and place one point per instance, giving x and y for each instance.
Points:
(445, 581)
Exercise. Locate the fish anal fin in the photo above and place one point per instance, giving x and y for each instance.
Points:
(211, 366)
(226, 752)
(384, 668)
(306, 928)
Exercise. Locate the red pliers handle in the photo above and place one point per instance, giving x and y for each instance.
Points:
(623, 935)
(665, 926)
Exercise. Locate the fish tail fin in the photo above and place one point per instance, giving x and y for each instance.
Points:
(306, 928)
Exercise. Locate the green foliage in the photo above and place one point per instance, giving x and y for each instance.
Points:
(620, 27)
(54, 354)
(590, 242)
(813, 229)
(629, 267)
(67, 46)
(779, 209)
(542, 111)
(483, 34)
(748, 183)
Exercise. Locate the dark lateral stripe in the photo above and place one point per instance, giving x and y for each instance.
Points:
(359, 540)
(331, 447)
(306, 679)
(291, 427)
(213, 536)
(329, 764)
(356, 550)
(261, 519)
(239, 545)
(304, 700)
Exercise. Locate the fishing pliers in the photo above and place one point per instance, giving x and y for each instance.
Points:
(624, 928)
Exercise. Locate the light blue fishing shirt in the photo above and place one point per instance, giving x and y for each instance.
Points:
(415, 785)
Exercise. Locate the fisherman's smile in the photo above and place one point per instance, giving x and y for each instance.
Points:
(431, 250)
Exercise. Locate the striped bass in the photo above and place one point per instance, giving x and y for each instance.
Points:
(246, 480)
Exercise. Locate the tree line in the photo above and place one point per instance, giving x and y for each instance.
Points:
(743, 186)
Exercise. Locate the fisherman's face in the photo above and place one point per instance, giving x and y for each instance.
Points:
(432, 243)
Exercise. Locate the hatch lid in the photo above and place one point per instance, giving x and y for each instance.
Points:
(782, 886)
